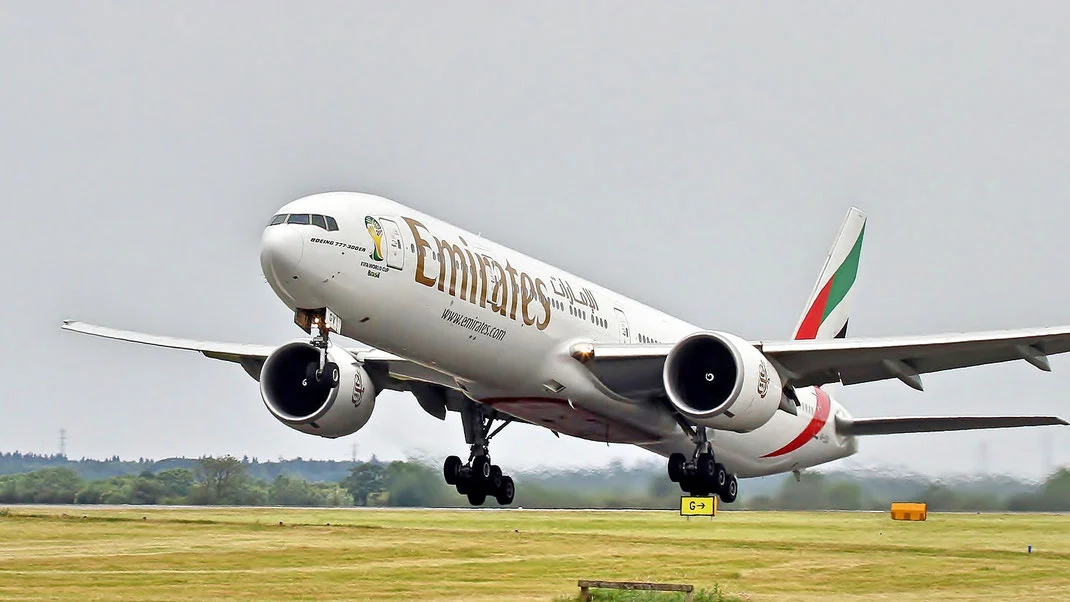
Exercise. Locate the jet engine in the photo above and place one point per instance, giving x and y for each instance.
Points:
(720, 381)
(337, 404)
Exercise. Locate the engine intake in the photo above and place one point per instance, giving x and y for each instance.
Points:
(316, 408)
(720, 381)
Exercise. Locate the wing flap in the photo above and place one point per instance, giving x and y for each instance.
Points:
(937, 424)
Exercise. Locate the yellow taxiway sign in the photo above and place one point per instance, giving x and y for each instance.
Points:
(698, 506)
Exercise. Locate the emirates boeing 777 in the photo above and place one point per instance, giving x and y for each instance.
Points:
(470, 326)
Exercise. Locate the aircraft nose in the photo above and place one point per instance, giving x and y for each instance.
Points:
(280, 252)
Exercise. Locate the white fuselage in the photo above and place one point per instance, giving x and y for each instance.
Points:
(500, 324)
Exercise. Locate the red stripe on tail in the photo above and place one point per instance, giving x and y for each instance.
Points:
(812, 322)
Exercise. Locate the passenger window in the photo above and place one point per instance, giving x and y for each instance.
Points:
(317, 220)
(278, 219)
(298, 218)
(332, 225)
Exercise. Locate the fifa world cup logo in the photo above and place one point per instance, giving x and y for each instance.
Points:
(376, 232)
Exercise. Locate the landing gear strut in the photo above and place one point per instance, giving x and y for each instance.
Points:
(323, 372)
(479, 478)
(702, 475)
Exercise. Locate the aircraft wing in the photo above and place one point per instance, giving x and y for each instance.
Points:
(634, 371)
(938, 424)
(389, 371)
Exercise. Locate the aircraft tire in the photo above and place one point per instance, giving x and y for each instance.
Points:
(450, 468)
(676, 467)
(730, 490)
(693, 485)
(476, 498)
(705, 467)
(505, 492)
(496, 477)
(481, 468)
(720, 477)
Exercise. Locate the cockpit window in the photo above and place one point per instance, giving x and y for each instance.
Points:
(331, 224)
(298, 218)
(317, 220)
(278, 219)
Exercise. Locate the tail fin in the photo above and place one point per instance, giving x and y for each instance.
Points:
(829, 307)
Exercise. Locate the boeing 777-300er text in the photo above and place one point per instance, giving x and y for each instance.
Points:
(469, 326)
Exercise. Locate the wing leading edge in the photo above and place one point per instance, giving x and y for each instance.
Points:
(937, 424)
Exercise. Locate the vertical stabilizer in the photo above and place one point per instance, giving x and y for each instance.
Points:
(829, 307)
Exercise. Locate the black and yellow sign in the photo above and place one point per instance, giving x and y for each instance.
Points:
(698, 506)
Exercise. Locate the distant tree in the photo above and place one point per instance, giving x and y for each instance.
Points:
(219, 478)
(176, 482)
(365, 480)
(1054, 496)
(289, 491)
(414, 484)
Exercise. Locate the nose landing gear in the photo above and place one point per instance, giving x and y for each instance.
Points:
(702, 475)
(479, 478)
(324, 372)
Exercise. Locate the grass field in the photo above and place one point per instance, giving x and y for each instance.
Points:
(227, 553)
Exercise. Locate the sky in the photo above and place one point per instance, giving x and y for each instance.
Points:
(696, 156)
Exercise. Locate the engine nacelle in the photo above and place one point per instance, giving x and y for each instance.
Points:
(309, 407)
(720, 381)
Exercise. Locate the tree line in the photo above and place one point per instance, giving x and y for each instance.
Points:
(232, 481)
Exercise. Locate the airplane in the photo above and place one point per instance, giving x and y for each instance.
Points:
(469, 326)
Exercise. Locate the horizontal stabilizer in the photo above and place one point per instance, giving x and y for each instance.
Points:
(936, 424)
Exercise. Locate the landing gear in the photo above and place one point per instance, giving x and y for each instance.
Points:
(324, 372)
(702, 475)
(479, 478)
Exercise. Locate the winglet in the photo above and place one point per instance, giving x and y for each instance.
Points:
(829, 307)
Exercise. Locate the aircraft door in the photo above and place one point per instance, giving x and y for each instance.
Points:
(622, 323)
(395, 246)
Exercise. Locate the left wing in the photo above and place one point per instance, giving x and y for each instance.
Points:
(388, 370)
(634, 371)
(938, 424)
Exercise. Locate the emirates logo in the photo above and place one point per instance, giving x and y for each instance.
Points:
(763, 380)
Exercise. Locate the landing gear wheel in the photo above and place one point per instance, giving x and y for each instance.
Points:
(496, 477)
(730, 490)
(676, 467)
(693, 485)
(450, 468)
(705, 467)
(481, 468)
(720, 477)
(505, 492)
(476, 498)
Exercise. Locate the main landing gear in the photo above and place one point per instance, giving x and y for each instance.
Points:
(479, 478)
(703, 475)
(323, 373)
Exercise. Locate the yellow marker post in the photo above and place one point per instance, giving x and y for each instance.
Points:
(698, 506)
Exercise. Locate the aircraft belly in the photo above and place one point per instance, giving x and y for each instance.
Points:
(561, 417)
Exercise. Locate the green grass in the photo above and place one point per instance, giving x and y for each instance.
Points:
(214, 554)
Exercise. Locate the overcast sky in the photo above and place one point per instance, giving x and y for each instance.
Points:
(696, 156)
